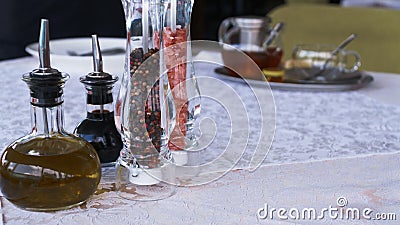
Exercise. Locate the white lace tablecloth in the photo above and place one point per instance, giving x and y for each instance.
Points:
(310, 127)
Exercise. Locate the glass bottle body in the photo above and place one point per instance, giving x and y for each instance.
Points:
(99, 126)
(49, 169)
(100, 131)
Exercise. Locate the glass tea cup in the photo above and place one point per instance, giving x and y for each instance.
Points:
(316, 60)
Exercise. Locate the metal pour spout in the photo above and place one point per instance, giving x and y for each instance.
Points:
(97, 59)
(44, 48)
(98, 83)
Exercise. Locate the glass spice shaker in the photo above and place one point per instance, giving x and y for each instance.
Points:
(49, 169)
(145, 168)
(99, 126)
(182, 80)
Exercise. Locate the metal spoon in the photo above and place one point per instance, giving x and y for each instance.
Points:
(274, 33)
(333, 54)
(340, 47)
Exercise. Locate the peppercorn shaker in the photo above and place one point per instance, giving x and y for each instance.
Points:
(99, 126)
(144, 112)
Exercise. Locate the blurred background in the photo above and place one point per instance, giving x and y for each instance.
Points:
(76, 18)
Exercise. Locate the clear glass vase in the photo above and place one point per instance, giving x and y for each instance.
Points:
(145, 169)
(182, 81)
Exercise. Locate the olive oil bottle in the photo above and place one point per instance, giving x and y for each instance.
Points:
(48, 169)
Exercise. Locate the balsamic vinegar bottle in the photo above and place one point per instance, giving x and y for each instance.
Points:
(49, 169)
(99, 127)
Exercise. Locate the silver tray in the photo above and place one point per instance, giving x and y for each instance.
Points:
(363, 80)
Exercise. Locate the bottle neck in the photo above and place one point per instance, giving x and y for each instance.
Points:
(100, 109)
(47, 120)
(99, 100)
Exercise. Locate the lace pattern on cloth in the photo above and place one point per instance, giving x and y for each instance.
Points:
(309, 127)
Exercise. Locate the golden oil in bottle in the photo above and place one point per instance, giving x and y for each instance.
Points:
(49, 173)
